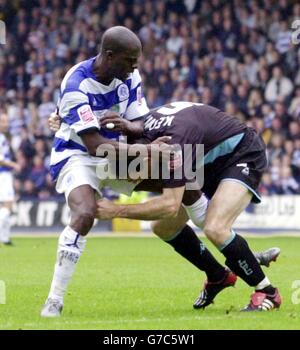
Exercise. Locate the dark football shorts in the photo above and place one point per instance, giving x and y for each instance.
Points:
(245, 165)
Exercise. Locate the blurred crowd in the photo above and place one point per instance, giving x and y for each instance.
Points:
(236, 55)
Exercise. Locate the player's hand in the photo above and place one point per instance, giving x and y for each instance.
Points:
(16, 167)
(106, 209)
(162, 140)
(54, 122)
(162, 144)
(113, 122)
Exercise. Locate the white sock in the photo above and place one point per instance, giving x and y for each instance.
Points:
(197, 211)
(4, 225)
(263, 284)
(70, 247)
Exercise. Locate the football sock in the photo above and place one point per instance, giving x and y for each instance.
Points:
(188, 245)
(240, 259)
(197, 211)
(265, 286)
(268, 290)
(4, 225)
(70, 247)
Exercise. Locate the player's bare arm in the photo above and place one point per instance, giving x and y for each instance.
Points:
(92, 140)
(54, 122)
(113, 121)
(10, 164)
(164, 206)
(110, 121)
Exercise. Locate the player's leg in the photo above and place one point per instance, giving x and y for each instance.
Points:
(7, 197)
(79, 183)
(196, 204)
(82, 203)
(229, 200)
(186, 243)
(5, 223)
(184, 240)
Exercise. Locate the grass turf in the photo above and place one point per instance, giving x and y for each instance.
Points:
(138, 283)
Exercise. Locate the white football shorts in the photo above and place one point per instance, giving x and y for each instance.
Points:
(86, 170)
(7, 193)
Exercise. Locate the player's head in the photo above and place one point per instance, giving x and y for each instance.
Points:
(4, 122)
(120, 48)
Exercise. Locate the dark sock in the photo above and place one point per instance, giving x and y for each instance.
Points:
(188, 245)
(240, 259)
(268, 290)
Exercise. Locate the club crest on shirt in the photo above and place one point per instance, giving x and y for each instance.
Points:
(123, 92)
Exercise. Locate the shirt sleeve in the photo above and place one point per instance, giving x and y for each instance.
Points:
(137, 105)
(75, 110)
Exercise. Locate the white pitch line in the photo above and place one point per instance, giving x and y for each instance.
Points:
(141, 320)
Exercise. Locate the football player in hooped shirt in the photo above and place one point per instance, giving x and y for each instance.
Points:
(7, 195)
(108, 82)
(234, 161)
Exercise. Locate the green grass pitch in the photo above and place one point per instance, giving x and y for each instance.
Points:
(138, 283)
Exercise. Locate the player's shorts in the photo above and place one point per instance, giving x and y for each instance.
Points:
(7, 193)
(86, 170)
(244, 165)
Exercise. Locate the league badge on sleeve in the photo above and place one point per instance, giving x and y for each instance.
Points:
(86, 114)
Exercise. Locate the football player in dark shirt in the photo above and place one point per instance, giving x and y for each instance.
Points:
(233, 162)
(176, 232)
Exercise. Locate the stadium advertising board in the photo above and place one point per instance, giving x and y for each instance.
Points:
(274, 213)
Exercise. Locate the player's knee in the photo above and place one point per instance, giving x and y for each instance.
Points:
(215, 232)
(83, 219)
(161, 230)
(155, 228)
(165, 229)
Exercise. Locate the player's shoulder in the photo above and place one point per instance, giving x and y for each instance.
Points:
(204, 108)
(77, 74)
(135, 78)
(177, 107)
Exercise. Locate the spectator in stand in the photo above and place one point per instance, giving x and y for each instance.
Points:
(278, 86)
(234, 55)
(38, 173)
(267, 187)
(287, 183)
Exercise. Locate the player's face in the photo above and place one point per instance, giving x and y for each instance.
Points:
(125, 63)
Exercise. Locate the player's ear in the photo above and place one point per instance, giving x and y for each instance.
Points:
(109, 54)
